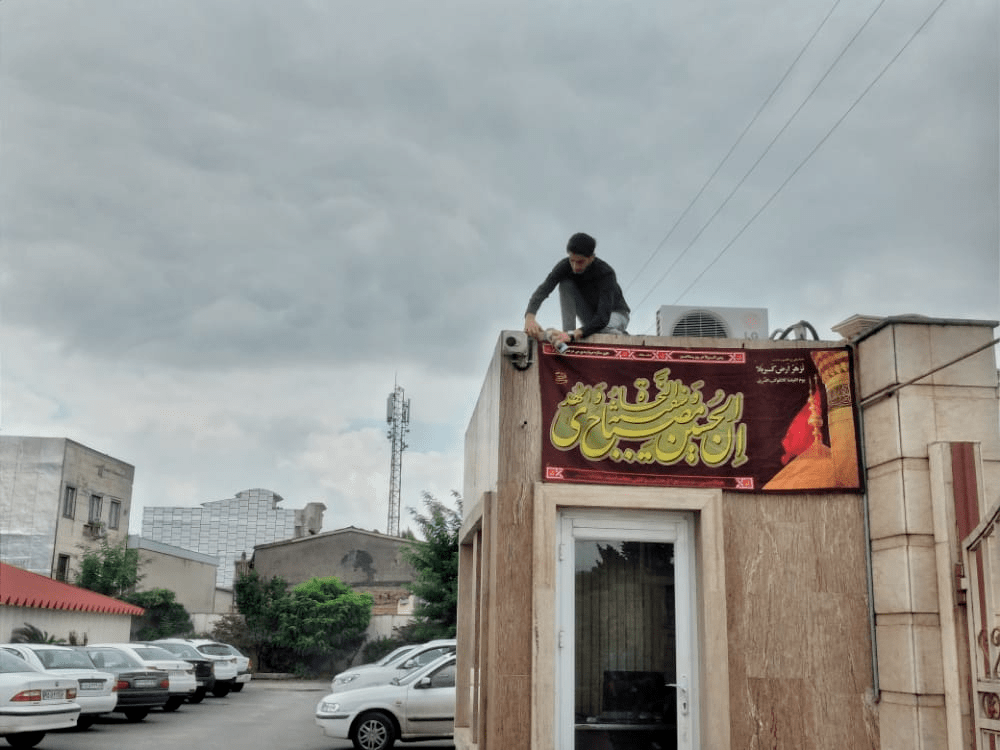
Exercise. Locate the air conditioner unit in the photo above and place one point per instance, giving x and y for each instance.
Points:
(712, 322)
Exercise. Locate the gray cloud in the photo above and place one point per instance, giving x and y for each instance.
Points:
(233, 225)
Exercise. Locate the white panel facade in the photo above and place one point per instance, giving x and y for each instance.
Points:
(224, 529)
(30, 478)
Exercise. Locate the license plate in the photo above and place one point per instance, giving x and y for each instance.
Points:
(146, 683)
(53, 695)
(90, 684)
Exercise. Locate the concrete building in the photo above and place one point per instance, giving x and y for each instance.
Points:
(660, 551)
(190, 575)
(57, 498)
(65, 612)
(365, 560)
(227, 529)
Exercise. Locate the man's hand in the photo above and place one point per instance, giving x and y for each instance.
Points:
(532, 328)
(560, 336)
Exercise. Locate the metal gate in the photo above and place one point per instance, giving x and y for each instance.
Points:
(981, 561)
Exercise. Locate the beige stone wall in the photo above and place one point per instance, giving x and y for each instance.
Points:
(192, 581)
(921, 636)
(800, 665)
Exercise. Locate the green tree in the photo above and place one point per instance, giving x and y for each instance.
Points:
(323, 616)
(111, 569)
(306, 629)
(232, 629)
(261, 601)
(165, 617)
(435, 560)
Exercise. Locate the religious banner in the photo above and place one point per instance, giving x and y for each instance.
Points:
(756, 420)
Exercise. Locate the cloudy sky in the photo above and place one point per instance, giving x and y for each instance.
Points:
(228, 228)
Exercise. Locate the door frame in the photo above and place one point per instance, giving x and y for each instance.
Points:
(665, 527)
(544, 504)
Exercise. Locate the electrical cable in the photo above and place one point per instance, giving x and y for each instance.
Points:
(891, 389)
(815, 148)
(765, 152)
(739, 140)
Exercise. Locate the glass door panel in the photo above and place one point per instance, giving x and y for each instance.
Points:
(626, 642)
(625, 614)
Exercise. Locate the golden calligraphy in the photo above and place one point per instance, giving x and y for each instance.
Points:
(677, 424)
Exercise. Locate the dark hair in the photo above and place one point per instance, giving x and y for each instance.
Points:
(581, 244)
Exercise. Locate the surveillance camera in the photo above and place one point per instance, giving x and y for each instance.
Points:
(515, 344)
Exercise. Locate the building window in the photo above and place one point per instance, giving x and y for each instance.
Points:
(95, 509)
(69, 502)
(62, 568)
(114, 514)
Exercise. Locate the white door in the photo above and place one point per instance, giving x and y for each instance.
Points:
(627, 662)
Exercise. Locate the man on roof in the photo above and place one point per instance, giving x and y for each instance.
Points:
(588, 292)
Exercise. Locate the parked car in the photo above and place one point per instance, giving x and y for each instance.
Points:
(359, 677)
(223, 662)
(181, 680)
(33, 702)
(244, 668)
(395, 655)
(96, 693)
(140, 689)
(420, 705)
(204, 670)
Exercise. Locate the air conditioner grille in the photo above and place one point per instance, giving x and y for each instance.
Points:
(700, 323)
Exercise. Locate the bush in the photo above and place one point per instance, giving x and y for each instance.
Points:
(165, 617)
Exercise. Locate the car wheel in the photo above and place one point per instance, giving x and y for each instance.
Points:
(85, 722)
(373, 731)
(136, 714)
(197, 696)
(173, 703)
(220, 691)
(24, 739)
(238, 687)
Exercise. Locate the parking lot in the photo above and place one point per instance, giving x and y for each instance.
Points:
(266, 715)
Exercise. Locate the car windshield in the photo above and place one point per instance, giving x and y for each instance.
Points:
(53, 658)
(11, 664)
(215, 649)
(394, 655)
(425, 657)
(112, 658)
(181, 649)
(153, 652)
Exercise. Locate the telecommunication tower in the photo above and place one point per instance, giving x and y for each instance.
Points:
(397, 414)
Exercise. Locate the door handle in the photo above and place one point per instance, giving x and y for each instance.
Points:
(682, 693)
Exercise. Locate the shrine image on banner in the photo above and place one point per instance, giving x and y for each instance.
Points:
(756, 420)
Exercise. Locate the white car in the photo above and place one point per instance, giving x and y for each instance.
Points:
(244, 668)
(181, 680)
(368, 675)
(97, 690)
(223, 663)
(33, 702)
(390, 658)
(420, 705)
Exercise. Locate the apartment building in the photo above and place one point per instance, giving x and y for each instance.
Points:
(58, 498)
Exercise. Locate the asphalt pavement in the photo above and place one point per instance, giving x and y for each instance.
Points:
(267, 714)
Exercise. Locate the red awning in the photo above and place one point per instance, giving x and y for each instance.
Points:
(20, 588)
